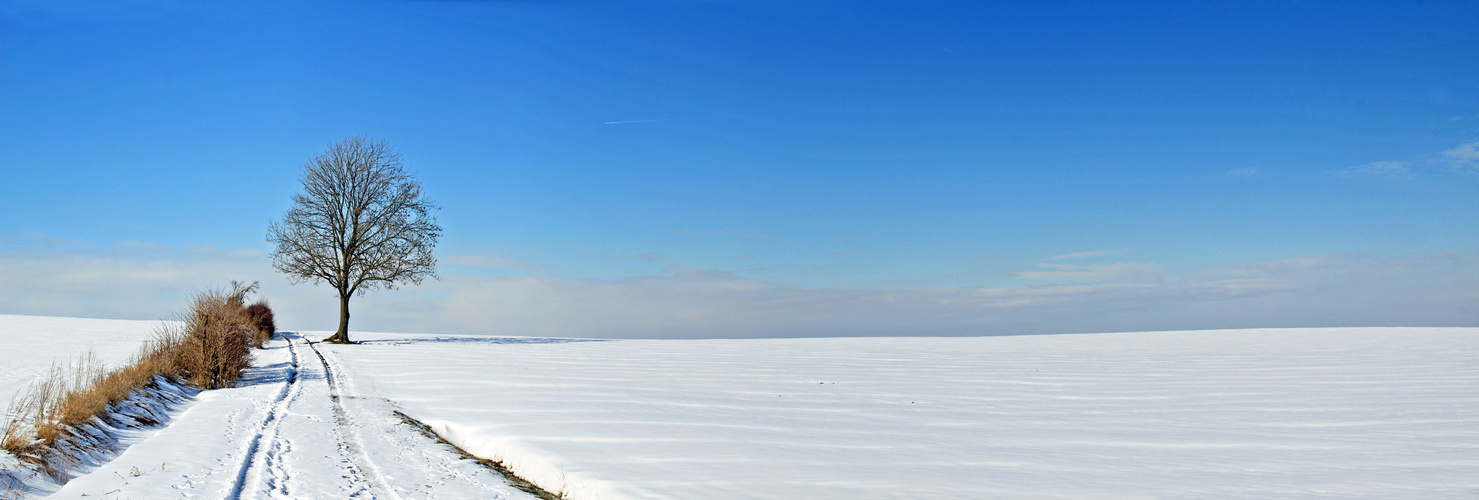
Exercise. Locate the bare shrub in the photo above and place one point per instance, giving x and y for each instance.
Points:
(215, 345)
(259, 317)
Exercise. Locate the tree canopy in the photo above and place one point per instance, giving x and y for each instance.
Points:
(361, 223)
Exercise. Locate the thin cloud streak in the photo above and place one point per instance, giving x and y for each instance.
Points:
(638, 121)
(1086, 255)
(1378, 169)
(1105, 272)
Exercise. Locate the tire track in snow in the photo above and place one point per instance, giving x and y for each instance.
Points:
(261, 460)
(361, 469)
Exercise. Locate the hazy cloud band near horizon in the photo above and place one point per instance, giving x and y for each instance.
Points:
(141, 281)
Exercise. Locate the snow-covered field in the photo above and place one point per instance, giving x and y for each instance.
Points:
(1350, 412)
(1354, 412)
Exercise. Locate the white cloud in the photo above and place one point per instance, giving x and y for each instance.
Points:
(1383, 169)
(1244, 172)
(1465, 157)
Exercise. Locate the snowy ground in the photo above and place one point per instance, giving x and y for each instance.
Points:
(1382, 413)
(288, 432)
(1376, 412)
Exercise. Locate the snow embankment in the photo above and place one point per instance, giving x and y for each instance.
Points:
(1344, 412)
(44, 348)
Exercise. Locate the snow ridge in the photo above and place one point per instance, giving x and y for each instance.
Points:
(99, 441)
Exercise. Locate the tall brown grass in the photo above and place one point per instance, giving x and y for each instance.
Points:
(208, 348)
(75, 394)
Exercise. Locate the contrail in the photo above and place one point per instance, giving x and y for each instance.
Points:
(638, 121)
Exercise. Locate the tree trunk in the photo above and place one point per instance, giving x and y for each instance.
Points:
(342, 336)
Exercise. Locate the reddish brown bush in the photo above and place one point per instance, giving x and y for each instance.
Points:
(259, 318)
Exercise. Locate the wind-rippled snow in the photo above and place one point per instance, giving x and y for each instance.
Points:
(1347, 412)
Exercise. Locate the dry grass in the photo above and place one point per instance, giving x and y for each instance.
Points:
(208, 348)
(75, 394)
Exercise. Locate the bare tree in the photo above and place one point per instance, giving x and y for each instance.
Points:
(361, 223)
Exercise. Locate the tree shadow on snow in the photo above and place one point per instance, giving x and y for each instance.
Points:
(480, 340)
(266, 374)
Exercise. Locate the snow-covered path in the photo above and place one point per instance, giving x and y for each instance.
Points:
(290, 430)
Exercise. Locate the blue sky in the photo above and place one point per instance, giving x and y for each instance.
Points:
(765, 168)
